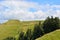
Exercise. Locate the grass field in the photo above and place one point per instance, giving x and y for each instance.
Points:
(55, 35)
(13, 27)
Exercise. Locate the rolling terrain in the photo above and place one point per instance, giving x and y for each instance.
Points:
(13, 27)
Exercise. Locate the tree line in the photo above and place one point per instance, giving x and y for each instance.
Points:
(49, 25)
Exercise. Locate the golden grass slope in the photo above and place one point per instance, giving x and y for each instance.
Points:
(13, 27)
(55, 35)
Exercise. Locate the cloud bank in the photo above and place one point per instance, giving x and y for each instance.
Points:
(23, 10)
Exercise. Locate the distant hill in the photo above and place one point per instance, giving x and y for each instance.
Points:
(55, 35)
(13, 27)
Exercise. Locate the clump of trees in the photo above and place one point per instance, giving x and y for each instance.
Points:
(26, 36)
(49, 25)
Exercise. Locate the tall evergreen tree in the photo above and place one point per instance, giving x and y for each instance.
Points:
(46, 25)
(21, 36)
(57, 22)
(37, 32)
(28, 35)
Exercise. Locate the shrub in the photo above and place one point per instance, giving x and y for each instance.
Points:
(10, 38)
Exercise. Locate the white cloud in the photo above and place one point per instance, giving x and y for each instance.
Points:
(57, 13)
(17, 9)
(13, 9)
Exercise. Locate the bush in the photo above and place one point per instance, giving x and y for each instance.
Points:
(10, 38)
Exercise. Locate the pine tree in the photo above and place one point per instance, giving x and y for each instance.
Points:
(57, 22)
(21, 36)
(46, 25)
(37, 32)
(28, 35)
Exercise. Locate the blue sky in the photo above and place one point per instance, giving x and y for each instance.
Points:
(57, 2)
(25, 10)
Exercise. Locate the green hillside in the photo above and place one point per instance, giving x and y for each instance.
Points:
(51, 36)
(13, 27)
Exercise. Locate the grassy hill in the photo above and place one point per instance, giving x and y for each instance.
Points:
(55, 35)
(13, 27)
